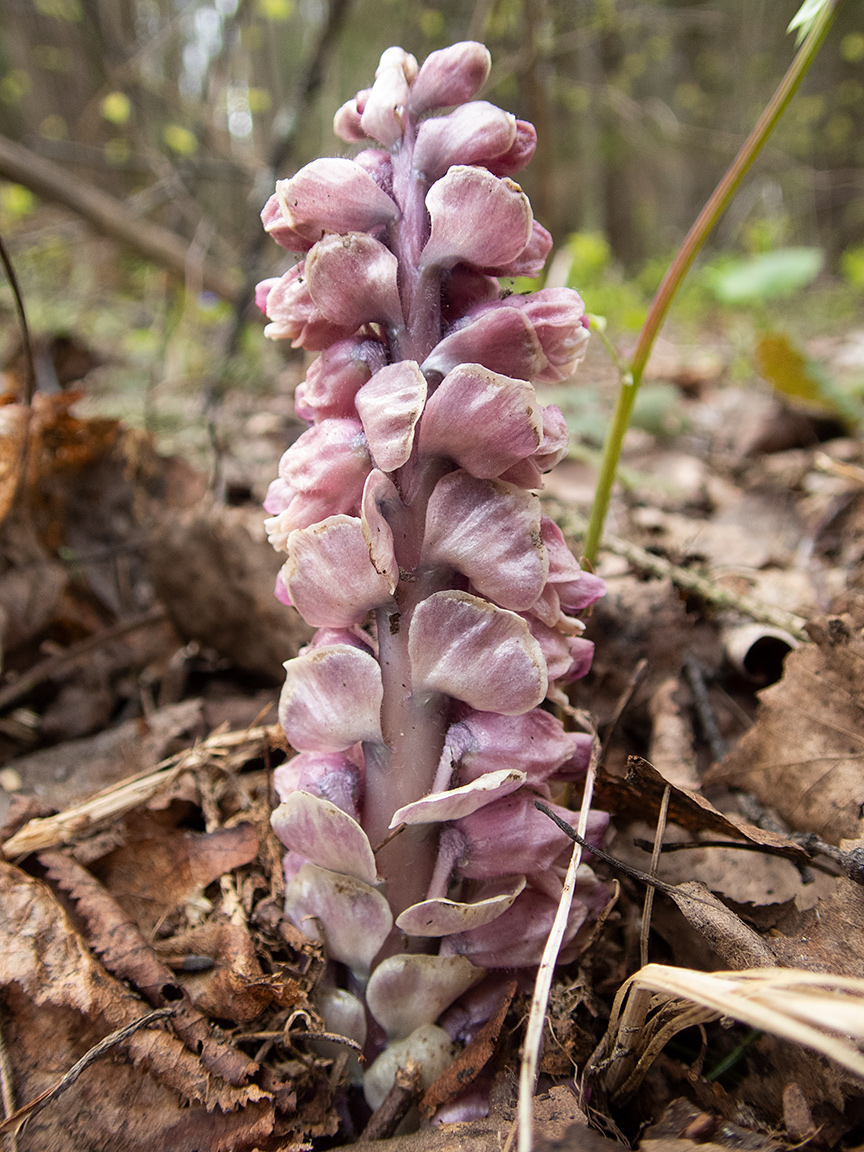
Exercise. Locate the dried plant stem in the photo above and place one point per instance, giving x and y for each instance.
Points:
(52, 831)
(543, 984)
(680, 266)
(655, 860)
(572, 524)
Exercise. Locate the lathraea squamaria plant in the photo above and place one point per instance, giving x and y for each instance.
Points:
(446, 604)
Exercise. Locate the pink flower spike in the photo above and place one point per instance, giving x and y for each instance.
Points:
(467, 648)
(331, 699)
(352, 279)
(438, 807)
(351, 919)
(325, 835)
(390, 405)
(489, 531)
(519, 154)
(406, 992)
(329, 575)
(383, 112)
(381, 509)
(476, 219)
(443, 917)
(450, 76)
(294, 315)
(493, 335)
(333, 194)
(484, 421)
(346, 123)
(472, 134)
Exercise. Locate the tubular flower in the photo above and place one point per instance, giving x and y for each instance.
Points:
(446, 604)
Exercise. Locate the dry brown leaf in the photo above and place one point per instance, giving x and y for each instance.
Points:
(161, 868)
(61, 1000)
(127, 954)
(235, 987)
(803, 756)
(639, 798)
(14, 419)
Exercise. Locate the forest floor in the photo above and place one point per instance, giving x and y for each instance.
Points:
(141, 888)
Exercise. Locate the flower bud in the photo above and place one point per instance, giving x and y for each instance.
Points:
(347, 121)
(518, 156)
(450, 76)
(382, 114)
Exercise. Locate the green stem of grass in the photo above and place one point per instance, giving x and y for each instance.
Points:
(678, 269)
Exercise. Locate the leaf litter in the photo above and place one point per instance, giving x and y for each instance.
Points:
(141, 649)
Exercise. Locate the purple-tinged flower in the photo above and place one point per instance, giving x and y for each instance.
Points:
(476, 218)
(333, 195)
(352, 278)
(347, 121)
(519, 155)
(336, 377)
(294, 315)
(472, 134)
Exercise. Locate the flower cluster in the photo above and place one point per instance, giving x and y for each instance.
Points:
(446, 603)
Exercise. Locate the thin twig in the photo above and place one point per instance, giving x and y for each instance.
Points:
(95, 1053)
(7, 1092)
(702, 704)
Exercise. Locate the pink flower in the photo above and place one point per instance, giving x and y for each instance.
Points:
(450, 76)
(476, 219)
(294, 315)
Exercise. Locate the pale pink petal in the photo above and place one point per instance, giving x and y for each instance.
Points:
(333, 194)
(520, 152)
(484, 421)
(294, 315)
(406, 992)
(576, 589)
(494, 335)
(329, 575)
(442, 917)
(490, 532)
(556, 315)
(351, 919)
(335, 378)
(278, 228)
(458, 802)
(450, 76)
(510, 835)
(472, 134)
(534, 743)
(379, 165)
(331, 699)
(390, 405)
(516, 938)
(346, 122)
(463, 646)
(381, 509)
(325, 835)
(532, 258)
(331, 459)
(352, 280)
(477, 219)
(556, 437)
(331, 775)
